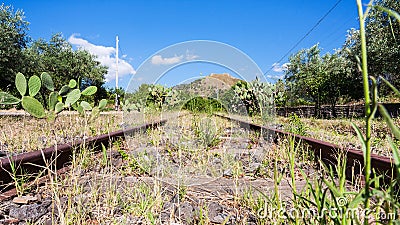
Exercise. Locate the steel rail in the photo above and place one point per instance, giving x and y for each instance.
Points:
(328, 153)
(30, 164)
(58, 156)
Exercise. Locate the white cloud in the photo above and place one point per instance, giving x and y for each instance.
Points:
(275, 77)
(137, 78)
(190, 56)
(106, 56)
(159, 60)
(279, 68)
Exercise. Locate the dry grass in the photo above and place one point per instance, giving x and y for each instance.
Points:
(338, 131)
(116, 187)
(241, 174)
(341, 132)
(24, 134)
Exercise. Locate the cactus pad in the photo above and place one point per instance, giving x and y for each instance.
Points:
(33, 107)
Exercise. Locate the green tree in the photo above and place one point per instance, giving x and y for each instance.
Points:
(383, 44)
(63, 63)
(306, 72)
(13, 39)
(338, 81)
(320, 79)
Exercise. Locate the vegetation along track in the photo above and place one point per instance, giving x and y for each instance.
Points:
(232, 181)
(32, 162)
(328, 152)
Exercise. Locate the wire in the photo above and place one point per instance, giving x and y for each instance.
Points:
(304, 37)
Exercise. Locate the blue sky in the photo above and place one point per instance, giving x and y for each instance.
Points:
(264, 30)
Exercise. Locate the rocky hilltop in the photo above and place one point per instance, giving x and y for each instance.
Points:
(209, 85)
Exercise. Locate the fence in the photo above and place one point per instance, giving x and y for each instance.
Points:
(342, 111)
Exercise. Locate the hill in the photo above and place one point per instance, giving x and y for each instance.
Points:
(225, 77)
(209, 85)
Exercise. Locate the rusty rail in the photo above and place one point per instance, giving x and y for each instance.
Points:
(57, 156)
(327, 152)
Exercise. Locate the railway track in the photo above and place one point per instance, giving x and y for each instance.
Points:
(327, 152)
(33, 162)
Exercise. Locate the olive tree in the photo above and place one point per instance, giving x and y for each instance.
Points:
(383, 43)
(306, 72)
(319, 79)
(64, 63)
(13, 39)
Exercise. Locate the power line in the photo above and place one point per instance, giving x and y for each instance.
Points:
(306, 35)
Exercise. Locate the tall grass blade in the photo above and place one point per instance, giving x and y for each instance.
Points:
(396, 156)
(360, 137)
(395, 90)
(364, 66)
(368, 9)
(395, 130)
(390, 12)
(342, 172)
(357, 200)
(374, 96)
(331, 186)
(391, 30)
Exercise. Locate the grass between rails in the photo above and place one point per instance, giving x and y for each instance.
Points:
(217, 180)
(209, 171)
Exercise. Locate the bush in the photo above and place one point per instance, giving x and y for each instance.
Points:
(207, 105)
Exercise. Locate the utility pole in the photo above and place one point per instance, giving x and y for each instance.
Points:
(116, 75)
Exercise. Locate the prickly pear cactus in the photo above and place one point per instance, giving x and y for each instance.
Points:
(72, 83)
(72, 97)
(55, 99)
(159, 95)
(102, 104)
(20, 83)
(34, 85)
(59, 107)
(129, 106)
(246, 96)
(8, 99)
(91, 90)
(47, 82)
(86, 106)
(256, 97)
(64, 90)
(33, 107)
(265, 99)
(94, 114)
